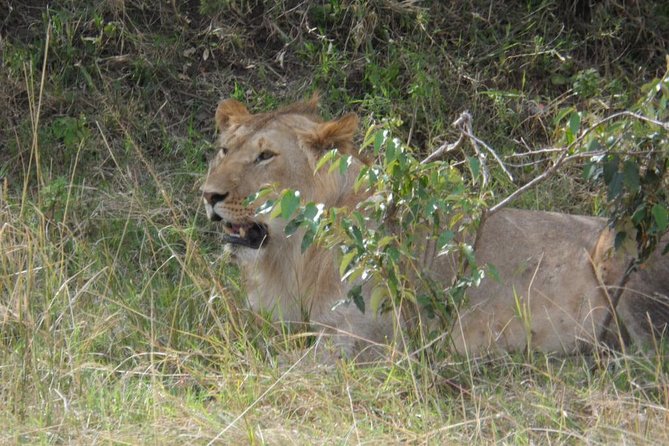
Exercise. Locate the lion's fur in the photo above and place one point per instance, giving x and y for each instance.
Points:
(557, 272)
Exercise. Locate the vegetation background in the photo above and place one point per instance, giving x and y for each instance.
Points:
(120, 319)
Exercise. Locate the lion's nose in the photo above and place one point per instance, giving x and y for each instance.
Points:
(213, 197)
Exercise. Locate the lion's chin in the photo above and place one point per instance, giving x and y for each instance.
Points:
(252, 235)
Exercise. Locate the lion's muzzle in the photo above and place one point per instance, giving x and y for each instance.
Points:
(247, 233)
(251, 235)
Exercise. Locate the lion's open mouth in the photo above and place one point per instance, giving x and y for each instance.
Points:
(252, 235)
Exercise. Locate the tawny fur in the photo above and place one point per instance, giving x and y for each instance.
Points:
(556, 270)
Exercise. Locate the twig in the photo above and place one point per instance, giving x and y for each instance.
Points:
(531, 183)
(466, 128)
(564, 155)
(664, 125)
(528, 164)
(443, 149)
(535, 152)
(494, 154)
(464, 124)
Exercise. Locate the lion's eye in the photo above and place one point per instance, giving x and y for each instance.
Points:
(224, 150)
(264, 156)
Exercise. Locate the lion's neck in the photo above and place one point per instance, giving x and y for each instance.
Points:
(284, 281)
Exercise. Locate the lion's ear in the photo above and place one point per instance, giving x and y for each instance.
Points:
(334, 134)
(312, 104)
(230, 111)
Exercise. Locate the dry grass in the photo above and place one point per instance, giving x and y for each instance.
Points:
(95, 353)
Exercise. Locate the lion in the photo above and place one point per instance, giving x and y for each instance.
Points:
(558, 273)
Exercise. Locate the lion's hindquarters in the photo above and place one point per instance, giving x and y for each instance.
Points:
(548, 294)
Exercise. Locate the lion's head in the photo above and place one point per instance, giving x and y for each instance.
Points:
(278, 148)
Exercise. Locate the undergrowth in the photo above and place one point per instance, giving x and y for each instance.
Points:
(121, 321)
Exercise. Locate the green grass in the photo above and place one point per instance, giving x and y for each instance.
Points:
(121, 321)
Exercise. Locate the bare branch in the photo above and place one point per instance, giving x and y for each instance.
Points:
(446, 147)
(443, 149)
(535, 152)
(526, 186)
(464, 124)
(494, 154)
(564, 155)
(528, 163)
(664, 125)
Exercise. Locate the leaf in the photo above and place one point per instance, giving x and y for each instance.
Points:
(661, 217)
(574, 123)
(631, 175)
(334, 165)
(561, 114)
(369, 137)
(355, 294)
(444, 238)
(312, 212)
(258, 196)
(391, 153)
(373, 176)
(610, 168)
(325, 158)
(357, 235)
(362, 176)
(376, 299)
(590, 171)
(639, 214)
(289, 203)
(346, 261)
(474, 166)
(344, 163)
(354, 274)
(379, 139)
(307, 239)
(359, 218)
(293, 225)
(468, 252)
(393, 254)
(265, 207)
(276, 210)
(385, 241)
(615, 186)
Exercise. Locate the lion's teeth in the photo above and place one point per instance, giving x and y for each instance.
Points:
(242, 232)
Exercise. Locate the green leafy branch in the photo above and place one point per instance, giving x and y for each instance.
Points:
(416, 205)
(412, 207)
(628, 154)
